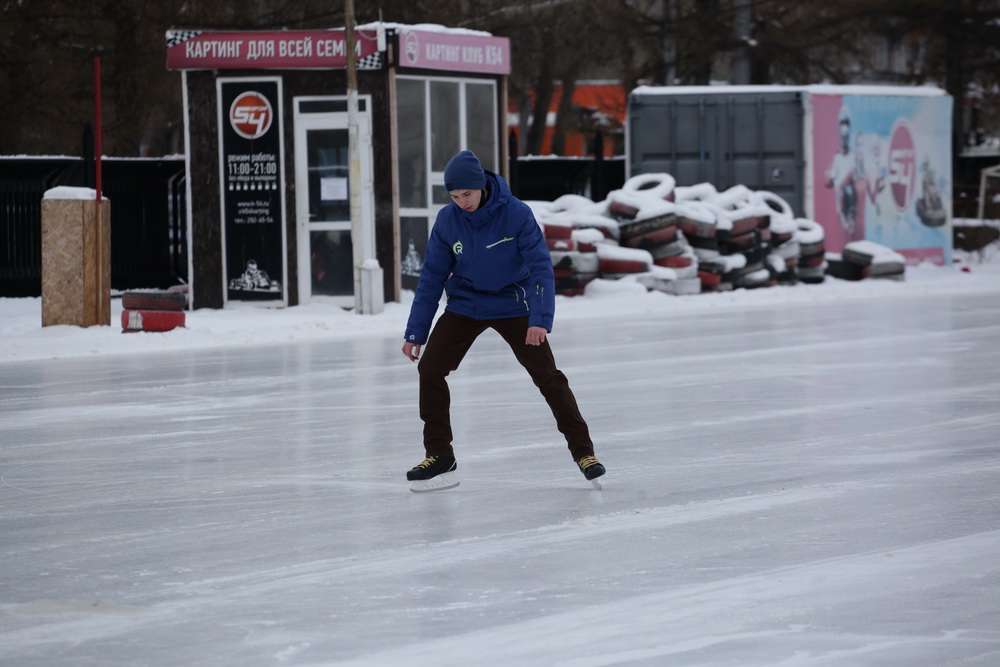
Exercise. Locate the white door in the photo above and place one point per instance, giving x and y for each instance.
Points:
(323, 198)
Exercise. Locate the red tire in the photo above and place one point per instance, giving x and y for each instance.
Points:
(557, 231)
(619, 266)
(152, 320)
(743, 241)
(812, 261)
(675, 262)
(696, 227)
(746, 225)
(651, 239)
(710, 279)
(622, 211)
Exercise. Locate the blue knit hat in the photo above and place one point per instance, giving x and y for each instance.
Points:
(464, 173)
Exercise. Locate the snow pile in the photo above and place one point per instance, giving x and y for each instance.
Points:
(22, 338)
(682, 239)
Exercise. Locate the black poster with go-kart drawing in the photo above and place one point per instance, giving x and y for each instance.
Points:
(251, 166)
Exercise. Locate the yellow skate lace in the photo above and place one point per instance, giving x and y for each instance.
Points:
(586, 462)
(426, 463)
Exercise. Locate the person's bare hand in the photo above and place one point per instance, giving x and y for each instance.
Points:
(536, 336)
(411, 351)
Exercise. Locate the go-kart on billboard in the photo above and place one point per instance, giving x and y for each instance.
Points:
(251, 175)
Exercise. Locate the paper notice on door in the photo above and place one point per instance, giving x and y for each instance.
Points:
(333, 189)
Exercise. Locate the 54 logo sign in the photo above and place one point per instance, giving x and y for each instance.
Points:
(902, 165)
(251, 115)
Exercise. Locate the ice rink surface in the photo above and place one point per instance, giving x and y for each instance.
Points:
(787, 486)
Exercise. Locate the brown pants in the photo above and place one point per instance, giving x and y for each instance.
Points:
(447, 345)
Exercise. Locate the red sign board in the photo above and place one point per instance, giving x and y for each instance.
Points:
(285, 49)
(902, 165)
(454, 51)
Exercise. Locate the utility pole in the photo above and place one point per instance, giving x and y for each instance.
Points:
(368, 291)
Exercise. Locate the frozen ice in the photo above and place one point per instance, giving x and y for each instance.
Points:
(796, 476)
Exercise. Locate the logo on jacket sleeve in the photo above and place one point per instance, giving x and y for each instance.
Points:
(457, 248)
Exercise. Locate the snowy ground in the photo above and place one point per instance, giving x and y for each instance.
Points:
(23, 339)
(797, 476)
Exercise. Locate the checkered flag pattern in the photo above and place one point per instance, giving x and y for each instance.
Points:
(175, 37)
(374, 61)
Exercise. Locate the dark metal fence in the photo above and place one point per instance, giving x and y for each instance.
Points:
(548, 178)
(148, 228)
(148, 224)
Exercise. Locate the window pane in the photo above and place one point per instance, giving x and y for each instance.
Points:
(329, 169)
(410, 103)
(480, 108)
(445, 123)
(413, 237)
(332, 263)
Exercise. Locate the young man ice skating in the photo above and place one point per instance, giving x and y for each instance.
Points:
(488, 254)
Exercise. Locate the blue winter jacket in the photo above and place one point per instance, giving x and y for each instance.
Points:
(492, 263)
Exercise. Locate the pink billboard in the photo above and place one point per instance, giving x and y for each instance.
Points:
(283, 49)
(882, 172)
(454, 51)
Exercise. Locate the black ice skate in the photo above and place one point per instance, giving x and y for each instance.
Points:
(591, 469)
(435, 473)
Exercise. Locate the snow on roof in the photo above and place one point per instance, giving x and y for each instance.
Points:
(422, 27)
(814, 89)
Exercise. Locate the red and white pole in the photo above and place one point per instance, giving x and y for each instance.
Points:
(97, 112)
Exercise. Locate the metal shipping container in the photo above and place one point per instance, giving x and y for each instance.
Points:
(723, 138)
(866, 162)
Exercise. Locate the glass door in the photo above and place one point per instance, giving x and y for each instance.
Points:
(323, 201)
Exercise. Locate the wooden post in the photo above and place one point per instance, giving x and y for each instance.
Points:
(76, 258)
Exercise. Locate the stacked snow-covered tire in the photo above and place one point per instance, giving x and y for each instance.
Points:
(648, 222)
(783, 246)
(812, 250)
(573, 226)
(691, 239)
(161, 310)
(744, 227)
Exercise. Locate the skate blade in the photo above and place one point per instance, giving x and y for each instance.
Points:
(597, 483)
(444, 481)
